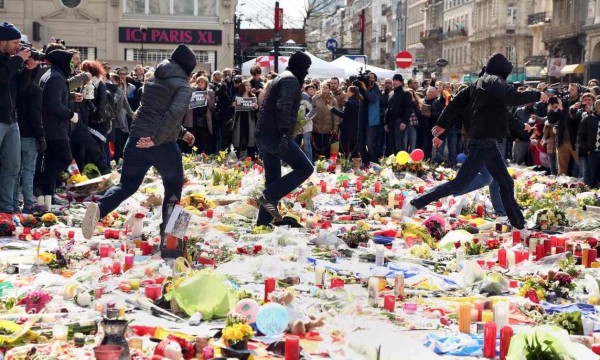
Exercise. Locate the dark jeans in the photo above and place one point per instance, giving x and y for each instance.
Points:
(120, 140)
(390, 142)
(591, 165)
(57, 159)
(276, 186)
(321, 145)
(482, 152)
(373, 142)
(426, 141)
(166, 158)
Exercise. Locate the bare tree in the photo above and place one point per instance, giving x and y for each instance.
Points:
(311, 10)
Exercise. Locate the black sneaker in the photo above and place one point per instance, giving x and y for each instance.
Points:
(271, 209)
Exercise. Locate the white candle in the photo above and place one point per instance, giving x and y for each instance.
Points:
(553, 250)
(373, 290)
(319, 271)
(501, 314)
(60, 332)
(510, 259)
(379, 255)
(532, 245)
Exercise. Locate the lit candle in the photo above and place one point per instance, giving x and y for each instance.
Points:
(269, 288)
(506, 333)
(389, 303)
(292, 347)
(60, 332)
(502, 258)
(319, 272)
(487, 316)
(489, 340)
(464, 318)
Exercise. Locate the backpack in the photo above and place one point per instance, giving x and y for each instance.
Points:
(108, 112)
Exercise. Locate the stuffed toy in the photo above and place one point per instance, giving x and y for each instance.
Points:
(299, 322)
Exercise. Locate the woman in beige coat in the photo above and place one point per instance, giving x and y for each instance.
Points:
(325, 123)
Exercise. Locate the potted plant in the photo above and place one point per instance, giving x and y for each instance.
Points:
(235, 336)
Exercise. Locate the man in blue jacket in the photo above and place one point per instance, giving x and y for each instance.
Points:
(11, 69)
(374, 135)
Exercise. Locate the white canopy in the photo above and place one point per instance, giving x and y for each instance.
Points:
(319, 68)
(351, 67)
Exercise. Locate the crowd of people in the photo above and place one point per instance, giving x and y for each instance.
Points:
(62, 110)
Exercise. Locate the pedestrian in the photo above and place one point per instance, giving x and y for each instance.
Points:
(152, 141)
(274, 135)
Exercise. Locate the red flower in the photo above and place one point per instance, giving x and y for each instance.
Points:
(140, 216)
(241, 250)
(457, 244)
(115, 215)
(475, 241)
(257, 249)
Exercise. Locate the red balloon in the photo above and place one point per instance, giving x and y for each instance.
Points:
(417, 155)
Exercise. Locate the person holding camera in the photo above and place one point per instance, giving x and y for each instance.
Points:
(373, 134)
(351, 127)
(588, 139)
(12, 77)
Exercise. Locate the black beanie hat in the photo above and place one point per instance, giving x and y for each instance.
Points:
(9, 32)
(299, 60)
(498, 65)
(184, 56)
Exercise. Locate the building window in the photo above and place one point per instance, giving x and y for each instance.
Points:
(1, 4)
(71, 4)
(511, 53)
(511, 13)
(87, 53)
(156, 56)
(171, 7)
(383, 9)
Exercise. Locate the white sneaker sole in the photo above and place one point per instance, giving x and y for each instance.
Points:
(90, 220)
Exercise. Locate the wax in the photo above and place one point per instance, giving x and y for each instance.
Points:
(501, 314)
(516, 237)
(464, 318)
(377, 187)
(539, 252)
(489, 340)
(292, 347)
(487, 316)
(389, 303)
(319, 272)
(502, 258)
(269, 288)
(506, 333)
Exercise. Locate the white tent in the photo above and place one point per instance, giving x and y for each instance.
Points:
(319, 68)
(351, 67)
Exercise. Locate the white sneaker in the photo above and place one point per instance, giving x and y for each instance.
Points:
(90, 220)
(525, 233)
(408, 210)
(502, 220)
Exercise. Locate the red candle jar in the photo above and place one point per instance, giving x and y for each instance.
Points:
(209, 213)
(116, 268)
(345, 184)
(128, 261)
(171, 242)
(513, 284)
(346, 196)
(560, 249)
(479, 306)
(480, 210)
(37, 235)
(292, 347)
(502, 258)
(269, 288)
(421, 189)
(377, 186)
(99, 291)
(516, 236)
(107, 233)
(104, 251)
(358, 184)
(337, 283)
(506, 333)
(389, 303)
(592, 255)
(153, 291)
(489, 340)
(547, 247)
(323, 186)
(539, 252)
(26, 230)
(71, 235)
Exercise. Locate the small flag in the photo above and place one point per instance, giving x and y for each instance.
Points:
(73, 169)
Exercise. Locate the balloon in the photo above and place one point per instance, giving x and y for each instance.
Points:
(272, 319)
(461, 158)
(511, 171)
(248, 309)
(402, 157)
(417, 155)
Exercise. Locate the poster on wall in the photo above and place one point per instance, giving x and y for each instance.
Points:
(555, 65)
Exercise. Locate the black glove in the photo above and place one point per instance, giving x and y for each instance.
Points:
(284, 144)
(42, 145)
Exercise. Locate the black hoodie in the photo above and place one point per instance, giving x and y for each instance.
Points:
(56, 113)
(486, 100)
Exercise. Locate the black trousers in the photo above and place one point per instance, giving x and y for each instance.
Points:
(57, 159)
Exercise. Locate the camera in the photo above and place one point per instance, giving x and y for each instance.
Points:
(35, 55)
(362, 77)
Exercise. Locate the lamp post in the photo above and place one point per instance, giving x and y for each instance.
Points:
(143, 30)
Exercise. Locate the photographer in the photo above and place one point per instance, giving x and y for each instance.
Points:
(224, 96)
(12, 77)
(587, 139)
(521, 137)
(372, 123)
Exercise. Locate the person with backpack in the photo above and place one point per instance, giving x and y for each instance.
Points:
(101, 108)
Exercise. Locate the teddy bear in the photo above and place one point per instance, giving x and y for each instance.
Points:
(299, 322)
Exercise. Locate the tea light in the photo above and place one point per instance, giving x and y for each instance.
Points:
(292, 347)
(389, 303)
(26, 230)
(60, 332)
(487, 316)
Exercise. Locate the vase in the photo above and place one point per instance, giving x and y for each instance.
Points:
(239, 350)
(114, 334)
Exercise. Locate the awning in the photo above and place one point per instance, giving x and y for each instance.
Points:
(572, 69)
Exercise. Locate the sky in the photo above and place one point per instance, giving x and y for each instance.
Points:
(260, 12)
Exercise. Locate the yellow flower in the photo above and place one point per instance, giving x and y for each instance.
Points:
(47, 258)
(540, 294)
(194, 148)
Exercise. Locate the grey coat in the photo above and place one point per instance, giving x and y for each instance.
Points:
(165, 100)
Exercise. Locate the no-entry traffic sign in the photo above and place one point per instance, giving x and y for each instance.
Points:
(404, 60)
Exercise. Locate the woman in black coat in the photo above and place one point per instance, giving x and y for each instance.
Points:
(351, 136)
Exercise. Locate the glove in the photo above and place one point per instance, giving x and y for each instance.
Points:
(284, 144)
(42, 145)
(75, 118)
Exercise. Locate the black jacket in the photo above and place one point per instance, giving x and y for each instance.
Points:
(486, 100)
(522, 115)
(11, 68)
(427, 122)
(587, 135)
(29, 110)
(383, 104)
(351, 116)
(279, 111)
(399, 107)
(165, 101)
(565, 121)
(56, 114)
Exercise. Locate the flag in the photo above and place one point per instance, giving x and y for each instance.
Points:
(73, 169)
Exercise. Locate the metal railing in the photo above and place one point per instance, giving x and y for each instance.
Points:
(567, 31)
(455, 33)
(536, 18)
(432, 34)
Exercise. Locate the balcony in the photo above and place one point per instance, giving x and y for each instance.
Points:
(538, 18)
(382, 38)
(555, 33)
(455, 33)
(432, 34)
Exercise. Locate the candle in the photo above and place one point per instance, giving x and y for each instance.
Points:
(323, 186)
(99, 291)
(560, 249)
(475, 315)
(489, 340)
(104, 251)
(373, 291)
(209, 213)
(516, 236)
(502, 258)
(71, 235)
(269, 288)
(128, 261)
(377, 186)
(585, 254)
(134, 283)
(410, 308)
(391, 200)
(346, 196)
(553, 250)
(464, 318)
(547, 247)
(171, 242)
(501, 314)
(399, 285)
(480, 210)
(292, 347)
(487, 316)
(421, 189)
(389, 303)
(208, 353)
(561, 242)
(532, 246)
(153, 291)
(319, 272)
(336, 283)
(60, 332)
(116, 268)
(592, 255)
(379, 255)
(358, 184)
(506, 333)
(26, 230)
(345, 184)
(37, 235)
(539, 252)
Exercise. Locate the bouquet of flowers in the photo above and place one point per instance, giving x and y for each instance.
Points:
(421, 251)
(550, 218)
(415, 168)
(552, 287)
(112, 219)
(28, 220)
(77, 178)
(250, 249)
(477, 247)
(197, 201)
(217, 253)
(236, 333)
(435, 225)
(35, 301)
(356, 236)
(524, 196)
(49, 219)
(53, 259)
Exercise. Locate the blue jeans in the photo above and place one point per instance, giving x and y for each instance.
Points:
(482, 152)
(276, 186)
(553, 164)
(10, 160)
(374, 143)
(166, 158)
(305, 140)
(484, 178)
(405, 139)
(452, 142)
(29, 153)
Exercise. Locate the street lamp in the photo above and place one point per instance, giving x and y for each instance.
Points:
(143, 30)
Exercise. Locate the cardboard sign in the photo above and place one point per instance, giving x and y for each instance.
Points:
(178, 222)
(198, 99)
(245, 103)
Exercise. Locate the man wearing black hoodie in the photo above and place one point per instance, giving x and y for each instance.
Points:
(486, 101)
(399, 109)
(275, 137)
(152, 141)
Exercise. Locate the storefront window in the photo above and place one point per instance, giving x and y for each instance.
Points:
(171, 7)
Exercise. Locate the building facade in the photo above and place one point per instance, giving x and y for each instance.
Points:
(457, 27)
(117, 30)
(432, 37)
(415, 26)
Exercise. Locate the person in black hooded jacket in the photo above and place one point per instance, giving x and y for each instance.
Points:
(57, 117)
(352, 142)
(275, 137)
(486, 100)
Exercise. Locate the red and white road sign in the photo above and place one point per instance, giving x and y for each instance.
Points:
(404, 60)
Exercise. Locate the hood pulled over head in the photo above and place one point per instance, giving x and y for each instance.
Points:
(499, 65)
